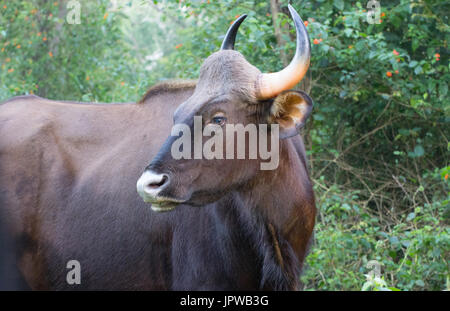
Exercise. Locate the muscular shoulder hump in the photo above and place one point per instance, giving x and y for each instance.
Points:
(22, 97)
(168, 86)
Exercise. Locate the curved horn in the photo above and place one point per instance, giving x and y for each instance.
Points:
(230, 37)
(271, 84)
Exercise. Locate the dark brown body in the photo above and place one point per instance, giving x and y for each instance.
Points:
(67, 187)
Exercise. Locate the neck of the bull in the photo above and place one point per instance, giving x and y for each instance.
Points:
(286, 199)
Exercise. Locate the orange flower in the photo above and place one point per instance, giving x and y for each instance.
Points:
(87, 78)
(50, 15)
(178, 46)
(306, 23)
(105, 16)
(122, 83)
(446, 176)
(312, 19)
(39, 34)
(398, 60)
(320, 40)
(395, 52)
(383, 14)
(350, 46)
(316, 41)
(7, 59)
(33, 11)
(237, 16)
(396, 71)
(437, 55)
(389, 74)
(267, 14)
(44, 39)
(50, 54)
(4, 6)
(10, 70)
(18, 46)
(380, 20)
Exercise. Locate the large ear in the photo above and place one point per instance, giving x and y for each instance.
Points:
(290, 109)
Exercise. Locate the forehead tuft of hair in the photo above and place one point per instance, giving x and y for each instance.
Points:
(168, 86)
(227, 71)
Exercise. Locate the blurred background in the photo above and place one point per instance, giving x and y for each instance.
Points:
(378, 138)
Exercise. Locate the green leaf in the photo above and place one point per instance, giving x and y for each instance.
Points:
(420, 283)
(339, 4)
(418, 151)
(413, 64)
(410, 216)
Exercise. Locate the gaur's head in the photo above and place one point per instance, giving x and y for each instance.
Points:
(231, 97)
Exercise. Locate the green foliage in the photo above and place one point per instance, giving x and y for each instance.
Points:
(377, 140)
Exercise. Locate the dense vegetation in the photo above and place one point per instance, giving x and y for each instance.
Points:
(378, 138)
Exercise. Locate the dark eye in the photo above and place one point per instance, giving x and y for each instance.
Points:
(219, 120)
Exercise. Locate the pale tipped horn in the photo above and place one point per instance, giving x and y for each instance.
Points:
(270, 85)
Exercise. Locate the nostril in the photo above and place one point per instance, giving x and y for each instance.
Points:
(158, 184)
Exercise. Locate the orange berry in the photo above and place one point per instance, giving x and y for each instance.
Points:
(446, 176)
(316, 41)
(383, 14)
(389, 74)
